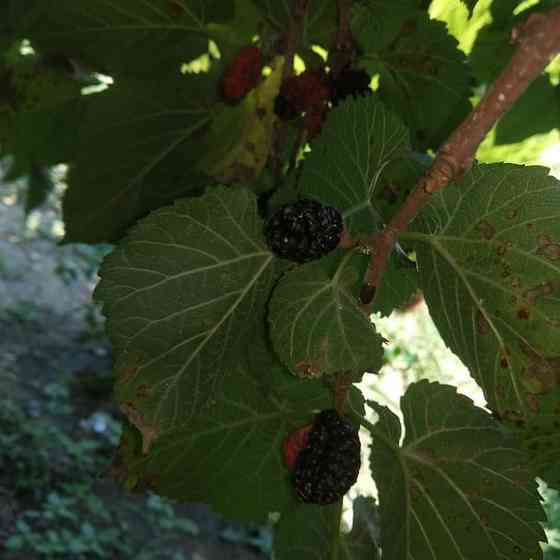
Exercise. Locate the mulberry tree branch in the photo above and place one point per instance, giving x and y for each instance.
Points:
(538, 42)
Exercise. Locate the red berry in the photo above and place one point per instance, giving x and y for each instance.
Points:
(293, 444)
(314, 119)
(301, 93)
(242, 74)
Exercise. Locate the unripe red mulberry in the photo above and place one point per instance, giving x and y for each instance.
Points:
(242, 74)
(302, 93)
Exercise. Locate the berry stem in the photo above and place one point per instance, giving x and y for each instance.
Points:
(293, 36)
(538, 41)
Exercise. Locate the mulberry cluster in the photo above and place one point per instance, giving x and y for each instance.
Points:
(304, 230)
(328, 461)
(311, 91)
(242, 74)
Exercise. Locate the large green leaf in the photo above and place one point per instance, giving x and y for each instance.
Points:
(138, 149)
(129, 37)
(457, 487)
(181, 293)
(316, 324)
(418, 69)
(360, 138)
(230, 454)
(488, 258)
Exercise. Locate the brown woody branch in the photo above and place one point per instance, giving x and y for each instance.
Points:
(538, 42)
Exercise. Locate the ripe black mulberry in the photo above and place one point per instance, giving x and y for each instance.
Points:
(304, 230)
(329, 463)
(350, 81)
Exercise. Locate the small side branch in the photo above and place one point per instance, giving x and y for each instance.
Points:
(538, 42)
(293, 35)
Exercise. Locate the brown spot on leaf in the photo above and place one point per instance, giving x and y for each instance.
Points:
(551, 251)
(504, 363)
(533, 402)
(308, 369)
(512, 214)
(501, 250)
(516, 283)
(482, 326)
(542, 290)
(149, 433)
(486, 229)
(530, 226)
(143, 391)
(523, 314)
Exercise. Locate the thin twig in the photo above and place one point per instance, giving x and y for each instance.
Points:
(342, 51)
(293, 35)
(538, 42)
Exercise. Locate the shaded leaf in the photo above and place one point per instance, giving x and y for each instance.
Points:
(418, 69)
(488, 259)
(316, 324)
(129, 37)
(359, 139)
(319, 23)
(40, 184)
(308, 532)
(180, 294)
(457, 487)
(138, 150)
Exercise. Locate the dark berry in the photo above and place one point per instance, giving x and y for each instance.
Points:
(301, 93)
(304, 230)
(242, 74)
(350, 81)
(329, 463)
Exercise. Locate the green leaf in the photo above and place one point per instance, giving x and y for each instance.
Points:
(488, 258)
(308, 532)
(39, 186)
(359, 139)
(139, 145)
(362, 542)
(129, 37)
(13, 16)
(399, 283)
(46, 136)
(318, 26)
(541, 436)
(316, 324)
(457, 487)
(230, 454)
(181, 293)
(375, 23)
(418, 69)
